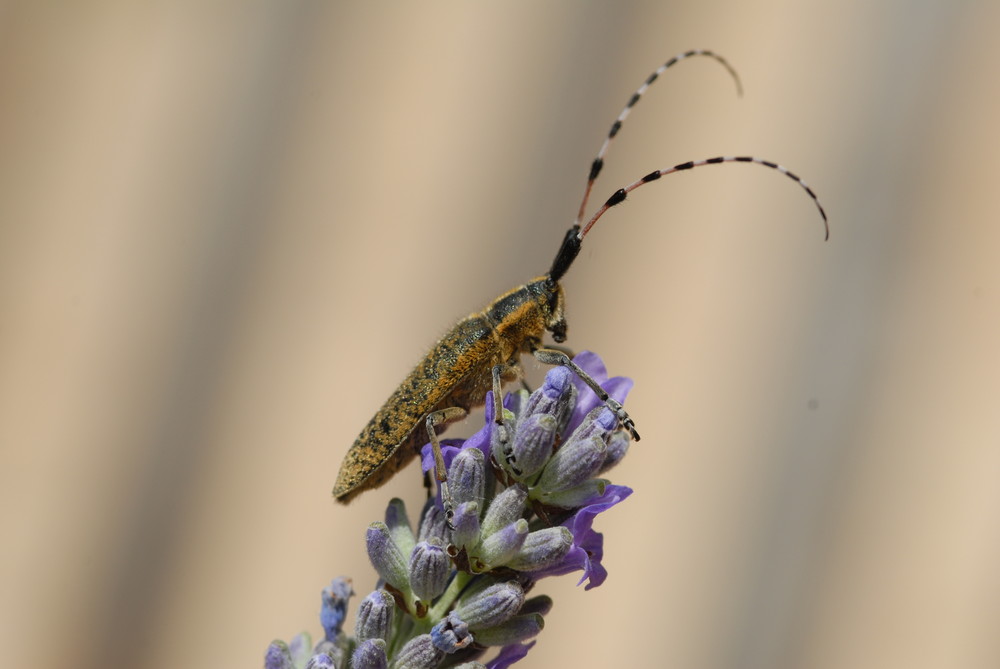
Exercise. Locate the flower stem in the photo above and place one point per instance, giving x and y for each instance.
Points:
(445, 601)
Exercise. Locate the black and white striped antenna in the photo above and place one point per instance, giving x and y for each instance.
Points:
(620, 195)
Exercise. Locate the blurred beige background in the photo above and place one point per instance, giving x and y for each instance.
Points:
(227, 230)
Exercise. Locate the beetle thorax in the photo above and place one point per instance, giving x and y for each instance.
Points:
(521, 316)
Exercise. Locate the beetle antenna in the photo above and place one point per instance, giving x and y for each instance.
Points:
(595, 167)
(619, 195)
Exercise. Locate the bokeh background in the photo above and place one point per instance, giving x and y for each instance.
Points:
(227, 230)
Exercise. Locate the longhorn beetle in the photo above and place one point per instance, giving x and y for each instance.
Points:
(484, 349)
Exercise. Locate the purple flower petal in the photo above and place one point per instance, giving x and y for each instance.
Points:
(591, 363)
(449, 449)
(509, 655)
(588, 545)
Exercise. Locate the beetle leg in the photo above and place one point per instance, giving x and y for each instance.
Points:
(556, 347)
(501, 426)
(434, 419)
(551, 356)
(503, 431)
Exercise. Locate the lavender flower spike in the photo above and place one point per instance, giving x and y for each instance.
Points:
(454, 596)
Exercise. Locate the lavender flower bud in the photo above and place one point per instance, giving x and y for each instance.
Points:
(556, 397)
(418, 653)
(278, 656)
(433, 524)
(532, 444)
(542, 548)
(300, 648)
(321, 661)
(327, 653)
(399, 525)
(451, 634)
(334, 606)
(491, 606)
(467, 476)
(515, 401)
(386, 556)
(600, 422)
(576, 496)
(370, 654)
(618, 444)
(429, 570)
(375, 616)
(574, 463)
(498, 548)
(505, 508)
(466, 522)
(511, 631)
(540, 604)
